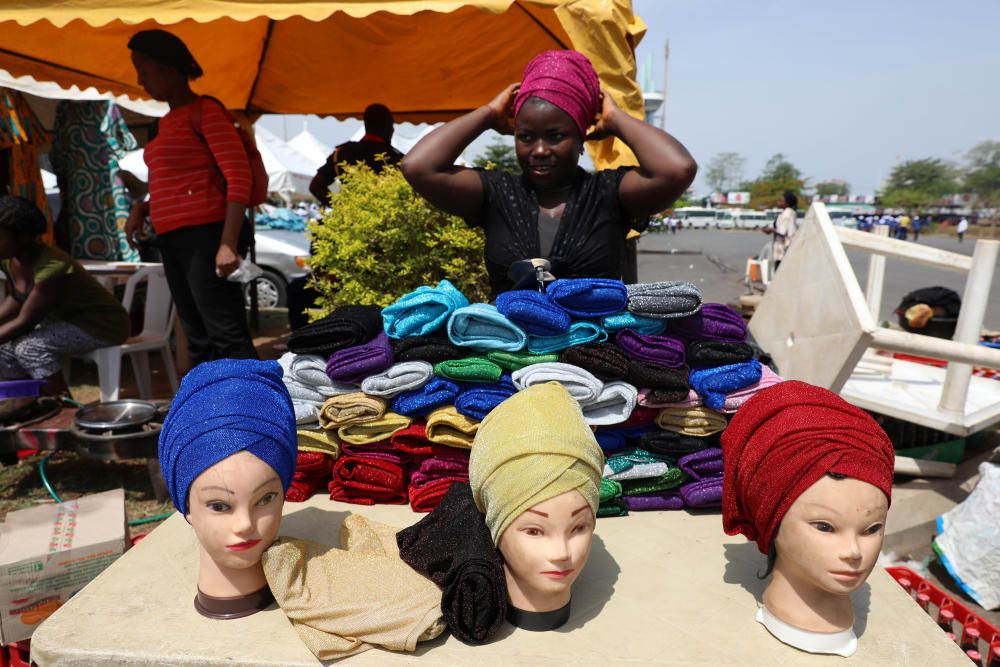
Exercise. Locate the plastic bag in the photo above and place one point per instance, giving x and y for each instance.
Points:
(968, 540)
(245, 272)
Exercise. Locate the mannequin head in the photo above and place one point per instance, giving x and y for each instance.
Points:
(535, 472)
(227, 451)
(808, 477)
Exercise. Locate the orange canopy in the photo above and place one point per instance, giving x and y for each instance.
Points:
(428, 60)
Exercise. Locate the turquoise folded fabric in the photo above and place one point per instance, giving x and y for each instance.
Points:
(588, 297)
(637, 323)
(579, 333)
(481, 326)
(422, 311)
(712, 384)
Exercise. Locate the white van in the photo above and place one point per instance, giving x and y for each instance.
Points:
(696, 217)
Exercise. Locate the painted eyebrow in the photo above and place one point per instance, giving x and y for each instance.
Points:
(538, 513)
(232, 493)
(580, 509)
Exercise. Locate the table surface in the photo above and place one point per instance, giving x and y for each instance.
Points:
(665, 588)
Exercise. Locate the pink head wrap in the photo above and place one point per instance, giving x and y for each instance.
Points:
(565, 79)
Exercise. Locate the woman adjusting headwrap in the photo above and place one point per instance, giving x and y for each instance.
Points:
(534, 446)
(224, 407)
(565, 79)
(785, 439)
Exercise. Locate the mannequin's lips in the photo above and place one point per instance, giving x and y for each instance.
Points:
(847, 574)
(243, 546)
(559, 573)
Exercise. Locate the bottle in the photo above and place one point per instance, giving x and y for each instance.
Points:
(945, 619)
(974, 656)
(970, 637)
(924, 600)
(994, 659)
(906, 584)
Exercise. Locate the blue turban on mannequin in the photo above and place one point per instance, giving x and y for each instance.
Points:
(224, 407)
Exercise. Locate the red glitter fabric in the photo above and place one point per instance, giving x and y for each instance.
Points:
(785, 439)
(312, 470)
(568, 80)
(365, 481)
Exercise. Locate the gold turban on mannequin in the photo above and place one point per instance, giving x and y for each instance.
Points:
(532, 447)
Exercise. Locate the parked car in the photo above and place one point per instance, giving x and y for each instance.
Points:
(282, 255)
(696, 217)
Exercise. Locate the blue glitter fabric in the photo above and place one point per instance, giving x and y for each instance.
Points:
(589, 297)
(479, 400)
(224, 407)
(534, 312)
(637, 323)
(483, 327)
(423, 311)
(712, 384)
(423, 401)
(578, 333)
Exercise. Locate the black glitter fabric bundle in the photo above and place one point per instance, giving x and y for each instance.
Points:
(605, 360)
(432, 349)
(672, 383)
(674, 444)
(452, 547)
(347, 326)
(711, 353)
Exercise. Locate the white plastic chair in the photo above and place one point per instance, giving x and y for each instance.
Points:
(158, 323)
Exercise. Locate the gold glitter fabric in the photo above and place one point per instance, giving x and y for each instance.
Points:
(344, 601)
(534, 446)
(373, 431)
(697, 421)
(347, 409)
(446, 426)
(324, 442)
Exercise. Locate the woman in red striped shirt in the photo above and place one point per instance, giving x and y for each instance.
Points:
(199, 189)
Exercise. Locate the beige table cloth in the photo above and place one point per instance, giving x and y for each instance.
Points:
(661, 588)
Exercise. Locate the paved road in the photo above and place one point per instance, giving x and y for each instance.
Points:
(715, 261)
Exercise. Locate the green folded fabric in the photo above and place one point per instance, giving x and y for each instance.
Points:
(625, 460)
(512, 361)
(614, 507)
(469, 369)
(668, 480)
(610, 489)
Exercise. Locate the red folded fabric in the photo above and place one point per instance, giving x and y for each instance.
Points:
(428, 496)
(312, 470)
(413, 440)
(382, 449)
(641, 416)
(366, 481)
(451, 465)
(782, 441)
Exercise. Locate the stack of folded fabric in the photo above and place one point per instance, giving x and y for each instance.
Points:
(396, 395)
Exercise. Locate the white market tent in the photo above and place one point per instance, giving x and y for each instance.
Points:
(306, 143)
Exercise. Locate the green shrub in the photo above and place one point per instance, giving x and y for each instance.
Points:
(380, 240)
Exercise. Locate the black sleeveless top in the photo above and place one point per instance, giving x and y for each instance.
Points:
(590, 240)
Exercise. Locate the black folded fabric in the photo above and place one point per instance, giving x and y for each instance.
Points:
(605, 360)
(710, 353)
(433, 349)
(452, 547)
(646, 375)
(674, 444)
(347, 326)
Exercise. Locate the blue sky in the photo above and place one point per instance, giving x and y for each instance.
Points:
(844, 89)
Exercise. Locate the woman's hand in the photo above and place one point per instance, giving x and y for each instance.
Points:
(605, 126)
(134, 223)
(502, 109)
(226, 260)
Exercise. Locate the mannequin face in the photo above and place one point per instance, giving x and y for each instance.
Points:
(544, 551)
(830, 537)
(235, 509)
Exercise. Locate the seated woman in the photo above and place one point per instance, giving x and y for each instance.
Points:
(53, 307)
(556, 210)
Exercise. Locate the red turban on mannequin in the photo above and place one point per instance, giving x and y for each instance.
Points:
(566, 79)
(782, 441)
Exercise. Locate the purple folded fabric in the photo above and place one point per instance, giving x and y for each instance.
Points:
(703, 494)
(715, 321)
(439, 466)
(661, 350)
(354, 364)
(658, 500)
(702, 464)
(382, 450)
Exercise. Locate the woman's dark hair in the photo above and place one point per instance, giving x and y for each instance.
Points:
(166, 49)
(20, 215)
(791, 201)
(772, 553)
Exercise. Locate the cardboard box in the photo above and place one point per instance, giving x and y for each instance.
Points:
(50, 552)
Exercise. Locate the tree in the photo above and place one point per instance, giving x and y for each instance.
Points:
(830, 188)
(499, 155)
(778, 175)
(917, 184)
(982, 175)
(725, 171)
